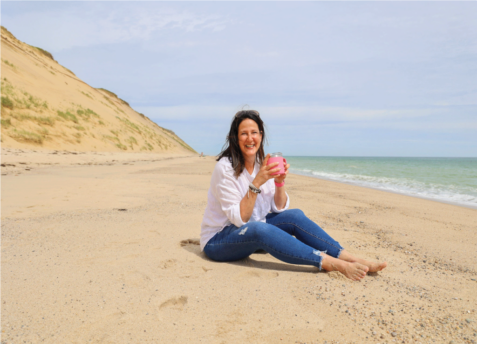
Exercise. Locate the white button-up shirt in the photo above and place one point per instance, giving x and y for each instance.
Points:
(224, 197)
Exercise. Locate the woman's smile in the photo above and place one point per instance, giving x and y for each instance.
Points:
(249, 137)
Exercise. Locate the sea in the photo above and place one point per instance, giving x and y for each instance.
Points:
(449, 180)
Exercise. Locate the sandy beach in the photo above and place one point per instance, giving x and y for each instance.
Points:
(103, 248)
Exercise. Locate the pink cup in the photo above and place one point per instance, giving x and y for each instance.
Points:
(277, 157)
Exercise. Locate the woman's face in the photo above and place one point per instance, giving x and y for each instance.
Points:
(249, 138)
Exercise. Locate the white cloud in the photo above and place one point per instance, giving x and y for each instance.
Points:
(284, 114)
(106, 23)
(341, 70)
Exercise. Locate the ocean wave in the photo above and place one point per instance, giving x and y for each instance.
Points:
(446, 193)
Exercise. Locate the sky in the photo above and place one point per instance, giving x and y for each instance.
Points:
(328, 78)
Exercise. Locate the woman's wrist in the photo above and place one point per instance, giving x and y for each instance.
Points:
(257, 183)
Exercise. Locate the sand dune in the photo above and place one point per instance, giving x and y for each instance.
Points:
(46, 106)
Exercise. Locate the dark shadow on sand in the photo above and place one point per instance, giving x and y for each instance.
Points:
(192, 246)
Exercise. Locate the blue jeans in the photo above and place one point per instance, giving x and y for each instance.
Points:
(289, 236)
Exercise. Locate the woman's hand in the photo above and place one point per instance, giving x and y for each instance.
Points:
(281, 178)
(266, 172)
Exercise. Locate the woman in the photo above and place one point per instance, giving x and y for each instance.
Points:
(243, 190)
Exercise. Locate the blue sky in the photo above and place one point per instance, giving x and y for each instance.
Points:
(329, 78)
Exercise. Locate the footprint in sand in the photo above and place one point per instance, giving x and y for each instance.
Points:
(191, 245)
(136, 278)
(177, 303)
(187, 242)
(97, 331)
(166, 264)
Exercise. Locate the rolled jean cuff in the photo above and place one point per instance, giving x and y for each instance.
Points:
(339, 252)
(321, 260)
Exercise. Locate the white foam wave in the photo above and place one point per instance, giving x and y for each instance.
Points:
(446, 193)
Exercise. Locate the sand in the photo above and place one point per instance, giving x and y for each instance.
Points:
(102, 248)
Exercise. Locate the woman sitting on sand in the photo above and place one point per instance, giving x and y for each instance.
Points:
(247, 210)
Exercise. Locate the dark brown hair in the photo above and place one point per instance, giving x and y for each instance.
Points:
(231, 148)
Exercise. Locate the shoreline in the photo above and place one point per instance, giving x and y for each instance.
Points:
(391, 191)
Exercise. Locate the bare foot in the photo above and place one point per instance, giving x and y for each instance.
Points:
(373, 266)
(353, 270)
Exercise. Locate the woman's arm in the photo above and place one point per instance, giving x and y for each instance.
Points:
(248, 202)
(280, 197)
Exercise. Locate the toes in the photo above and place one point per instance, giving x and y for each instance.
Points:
(363, 268)
(381, 266)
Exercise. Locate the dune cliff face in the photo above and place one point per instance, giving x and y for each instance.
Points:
(44, 105)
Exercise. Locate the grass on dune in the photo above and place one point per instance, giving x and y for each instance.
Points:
(131, 141)
(24, 100)
(86, 113)
(114, 95)
(44, 52)
(38, 119)
(9, 64)
(130, 125)
(7, 102)
(30, 102)
(26, 136)
(115, 140)
(78, 137)
(91, 112)
(87, 95)
(5, 123)
(67, 116)
(111, 138)
(7, 87)
(121, 146)
(43, 131)
(79, 127)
